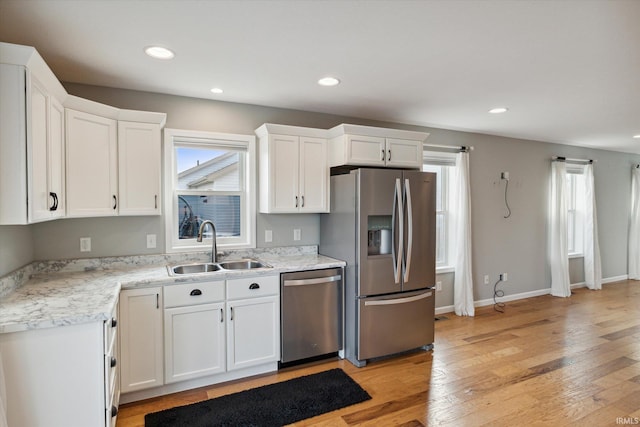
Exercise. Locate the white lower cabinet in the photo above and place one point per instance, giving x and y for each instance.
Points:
(141, 339)
(253, 332)
(213, 332)
(194, 332)
(62, 376)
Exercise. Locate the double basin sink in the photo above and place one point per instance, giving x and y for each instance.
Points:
(210, 267)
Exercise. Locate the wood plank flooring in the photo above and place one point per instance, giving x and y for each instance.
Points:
(546, 361)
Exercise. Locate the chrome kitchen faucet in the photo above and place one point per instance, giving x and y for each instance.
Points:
(214, 247)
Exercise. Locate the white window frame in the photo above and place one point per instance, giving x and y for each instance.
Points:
(448, 160)
(576, 205)
(246, 143)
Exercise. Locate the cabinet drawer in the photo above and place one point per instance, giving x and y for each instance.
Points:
(193, 293)
(253, 287)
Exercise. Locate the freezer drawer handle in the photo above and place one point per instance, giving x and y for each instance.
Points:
(303, 282)
(254, 286)
(398, 300)
(195, 292)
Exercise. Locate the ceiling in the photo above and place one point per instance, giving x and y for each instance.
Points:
(569, 71)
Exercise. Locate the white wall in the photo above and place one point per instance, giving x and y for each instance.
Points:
(516, 245)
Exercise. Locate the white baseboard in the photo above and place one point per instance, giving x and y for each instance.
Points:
(523, 295)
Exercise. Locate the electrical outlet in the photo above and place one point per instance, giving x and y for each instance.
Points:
(438, 286)
(85, 244)
(268, 236)
(504, 277)
(486, 279)
(296, 234)
(151, 241)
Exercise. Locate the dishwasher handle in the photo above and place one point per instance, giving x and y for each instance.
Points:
(315, 281)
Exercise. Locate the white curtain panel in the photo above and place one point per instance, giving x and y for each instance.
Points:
(592, 265)
(634, 226)
(558, 239)
(463, 277)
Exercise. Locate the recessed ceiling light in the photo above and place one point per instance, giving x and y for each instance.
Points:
(637, 136)
(216, 90)
(328, 81)
(159, 52)
(498, 110)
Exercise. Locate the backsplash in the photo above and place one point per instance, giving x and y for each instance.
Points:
(18, 277)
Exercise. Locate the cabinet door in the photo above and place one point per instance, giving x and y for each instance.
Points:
(37, 167)
(139, 168)
(194, 341)
(404, 153)
(366, 150)
(253, 332)
(55, 156)
(314, 175)
(141, 346)
(92, 166)
(283, 174)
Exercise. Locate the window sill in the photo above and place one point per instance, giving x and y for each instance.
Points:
(576, 255)
(445, 269)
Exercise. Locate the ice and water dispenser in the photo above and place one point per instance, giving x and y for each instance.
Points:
(379, 235)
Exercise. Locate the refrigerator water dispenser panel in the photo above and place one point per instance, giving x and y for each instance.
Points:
(379, 234)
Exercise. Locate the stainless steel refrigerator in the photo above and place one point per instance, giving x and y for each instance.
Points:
(382, 223)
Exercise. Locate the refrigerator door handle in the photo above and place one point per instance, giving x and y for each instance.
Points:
(407, 258)
(398, 300)
(396, 253)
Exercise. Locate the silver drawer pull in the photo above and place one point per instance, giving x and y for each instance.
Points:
(315, 281)
(398, 300)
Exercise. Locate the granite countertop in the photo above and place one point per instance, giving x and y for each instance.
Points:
(55, 296)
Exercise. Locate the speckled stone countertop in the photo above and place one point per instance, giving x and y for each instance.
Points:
(60, 293)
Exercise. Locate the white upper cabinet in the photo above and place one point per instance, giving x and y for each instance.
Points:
(370, 146)
(294, 173)
(92, 168)
(113, 160)
(61, 155)
(31, 138)
(139, 161)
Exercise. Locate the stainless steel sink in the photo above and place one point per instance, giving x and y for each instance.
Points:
(201, 268)
(193, 269)
(243, 264)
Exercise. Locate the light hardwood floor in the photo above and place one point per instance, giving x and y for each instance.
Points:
(544, 362)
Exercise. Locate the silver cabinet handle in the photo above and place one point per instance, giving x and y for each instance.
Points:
(314, 281)
(302, 197)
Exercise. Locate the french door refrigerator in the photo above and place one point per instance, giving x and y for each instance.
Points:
(382, 223)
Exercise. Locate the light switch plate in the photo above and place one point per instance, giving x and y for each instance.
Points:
(268, 236)
(296, 234)
(151, 241)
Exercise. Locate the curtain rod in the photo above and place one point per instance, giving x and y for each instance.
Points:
(568, 160)
(450, 147)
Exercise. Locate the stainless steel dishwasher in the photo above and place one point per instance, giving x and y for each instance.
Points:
(312, 313)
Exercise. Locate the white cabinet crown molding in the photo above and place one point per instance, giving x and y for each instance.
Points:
(87, 106)
(345, 129)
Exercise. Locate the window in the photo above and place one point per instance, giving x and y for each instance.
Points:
(209, 176)
(575, 209)
(442, 164)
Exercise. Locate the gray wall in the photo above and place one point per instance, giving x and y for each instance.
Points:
(516, 245)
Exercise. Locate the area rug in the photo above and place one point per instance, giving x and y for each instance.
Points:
(271, 405)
